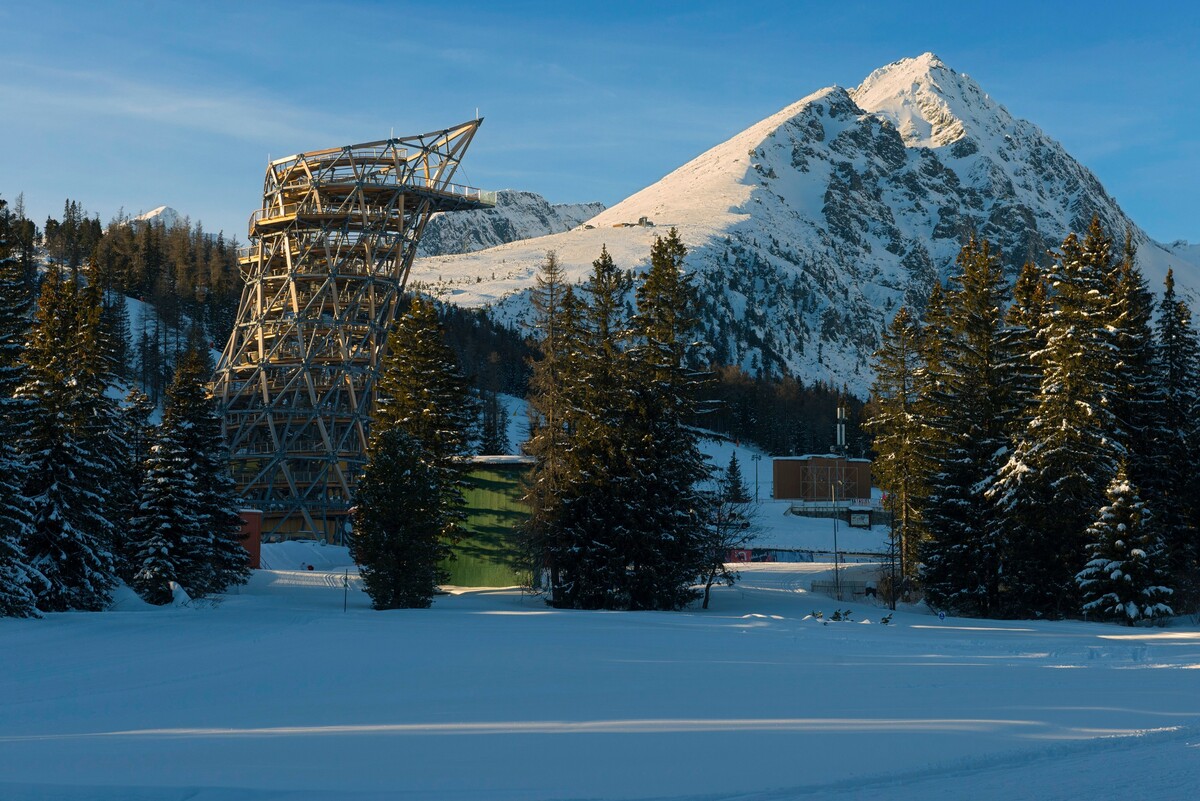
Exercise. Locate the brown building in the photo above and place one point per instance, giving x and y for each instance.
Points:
(252, 535)
(821, 477)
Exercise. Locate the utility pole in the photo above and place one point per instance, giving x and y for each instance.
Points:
(756, 458)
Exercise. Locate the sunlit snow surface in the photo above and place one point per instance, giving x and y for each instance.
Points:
(276, 693)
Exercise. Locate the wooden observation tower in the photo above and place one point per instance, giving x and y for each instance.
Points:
(330, 253)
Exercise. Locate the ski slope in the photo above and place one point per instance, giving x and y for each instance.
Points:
(276, 693)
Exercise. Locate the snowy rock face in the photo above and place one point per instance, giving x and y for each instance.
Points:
(518, 215)
(1188, 251)
(809, 229)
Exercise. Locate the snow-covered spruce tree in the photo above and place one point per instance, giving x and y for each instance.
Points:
(402, 526)
(101, 415)
(1136, 400)
(1177, 366)
(669, 556)
(136, 432)
(17, 577)
(1124, 578)
(1023, 332)
(929, 382)
(166, 541)
(901, 465)
(70, 447)
(731, 515)
(191, 416)
(961, 556)
(594, 524)
(1049, 489)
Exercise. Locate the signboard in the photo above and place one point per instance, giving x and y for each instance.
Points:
(860, 519)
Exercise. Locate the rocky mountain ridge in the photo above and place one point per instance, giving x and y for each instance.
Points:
(517, 215)
(809, 229)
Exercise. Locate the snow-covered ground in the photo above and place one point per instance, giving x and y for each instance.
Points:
(276, 693)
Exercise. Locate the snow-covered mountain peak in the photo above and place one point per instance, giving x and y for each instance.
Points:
(165, 215)
(711, 191)
(930, 104)
(807, 230)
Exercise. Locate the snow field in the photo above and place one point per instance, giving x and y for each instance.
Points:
(277, 693)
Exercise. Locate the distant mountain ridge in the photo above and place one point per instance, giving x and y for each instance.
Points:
(1188, 251)
(809, 229)
(517, 215)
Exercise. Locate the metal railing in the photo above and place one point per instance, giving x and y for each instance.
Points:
(307, 207)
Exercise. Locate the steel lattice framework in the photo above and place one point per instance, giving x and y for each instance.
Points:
(330, 252)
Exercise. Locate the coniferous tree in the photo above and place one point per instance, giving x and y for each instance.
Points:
(962, 554)
(115, 334)
(137, 434)
(664, 448)
(1136, 400)
(101, 421)
(930, 385)
(70, 450)
(402, 525)
(222, 560)
(1177, 367)
(493, 425)
(1055, 477)
(623, 528)
(167, 543)
(901, 465)
(587, 540)
(1124, 579)
(17, 576)
(732, 512)
(24, 235)
(423, 392)
(1023, 335)
(408, 505)
(557, 322)
(187, 530)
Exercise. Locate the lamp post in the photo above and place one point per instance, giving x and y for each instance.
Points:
(893, 548)
(756, 458)
(837, 574)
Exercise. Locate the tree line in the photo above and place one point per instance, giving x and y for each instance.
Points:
(625, 512)
(189, 281)
(187, 277)
(1038, 444)
(90, 492)
(621, 514)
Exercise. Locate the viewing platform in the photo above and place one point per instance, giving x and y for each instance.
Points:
(447, 197)
(329, 253)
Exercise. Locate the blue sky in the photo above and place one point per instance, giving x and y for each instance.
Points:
(139, 104)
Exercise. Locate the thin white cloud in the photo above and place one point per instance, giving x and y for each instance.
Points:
(41, 91)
